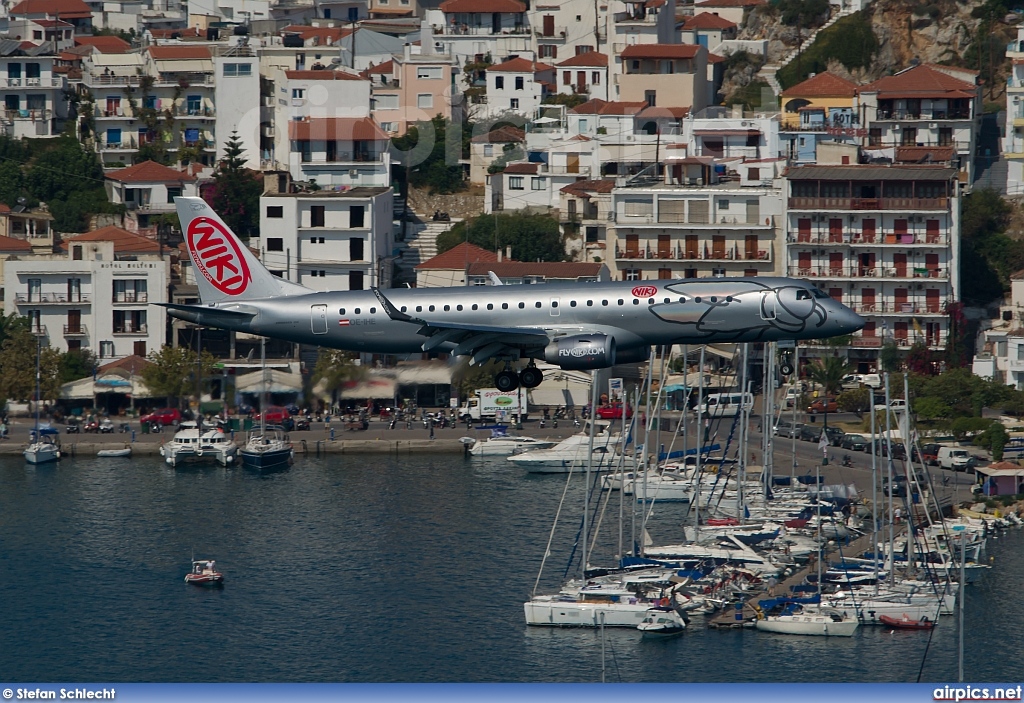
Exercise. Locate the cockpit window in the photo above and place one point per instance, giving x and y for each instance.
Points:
(820, 293)
(803, 295)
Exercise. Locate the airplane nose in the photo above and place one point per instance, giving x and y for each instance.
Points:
(845, 319)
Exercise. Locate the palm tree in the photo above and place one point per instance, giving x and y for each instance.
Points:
(829, 374)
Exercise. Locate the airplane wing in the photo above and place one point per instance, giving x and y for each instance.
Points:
(481, 342)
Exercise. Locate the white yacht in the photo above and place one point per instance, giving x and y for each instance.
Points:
(809, 620)
(609, 601)
(500, 444)
(42, 451)
(572, 453)
(191, 442)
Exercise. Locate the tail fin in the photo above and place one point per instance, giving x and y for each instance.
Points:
(225, 268)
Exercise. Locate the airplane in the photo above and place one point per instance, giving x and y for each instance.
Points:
(577, 326)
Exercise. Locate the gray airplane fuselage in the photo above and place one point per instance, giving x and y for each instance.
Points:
(637, 314)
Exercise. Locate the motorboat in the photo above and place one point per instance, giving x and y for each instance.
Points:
(266, 450)
(191, 442)
(42, 451)
(808, 619)
(204, 573)
(573, 453)
(906, 622)
(662, 621)
(611, 601)
(501, 444)
(115, 453)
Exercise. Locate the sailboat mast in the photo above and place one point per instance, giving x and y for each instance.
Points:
(39, 350)
(590, 466)
(744, 419)
(874, 486)
(701, 440)
(892, 520)
(263, 386)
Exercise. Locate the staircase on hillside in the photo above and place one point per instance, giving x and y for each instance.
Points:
(768, 71)
(420, 246)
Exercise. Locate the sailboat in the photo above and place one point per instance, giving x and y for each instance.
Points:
(265, 451)
(42, 449)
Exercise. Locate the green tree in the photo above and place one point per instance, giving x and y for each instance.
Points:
(532, 237)
(993, 439)
(236, 190)
(18, 366)
(964, 427)
(829, 373)
(76, 364)
(854, 401)
(173, 372)
(988, 255)
(932, 408)
(12, 182)
(68, 177)
(889, 357)
(851, 41)
(431, 153)
(334, 369)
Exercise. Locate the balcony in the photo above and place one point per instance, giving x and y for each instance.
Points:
(892, 308)
(38, 330)
(940, 273)
(75, 331)
(866, 342)
(132, 329)
(105, 80)
(555, 33)
(679, 253)
(904, 116)
(52, 299)
(343, 158)
(872, 240)
(130, 298)
(33, 115)
(122, 145)
(462, 30)
(1015, 364)
(51, 82)
(674, 218)
(195, 112)
(187, 79)
(901, 204)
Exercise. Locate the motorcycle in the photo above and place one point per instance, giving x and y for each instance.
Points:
(441, 216)
(847, 461)
(106, 426)
(73, 426)
(91, 426)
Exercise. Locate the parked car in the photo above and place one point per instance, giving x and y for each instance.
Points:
(614, 412)
(854, 442)
(823, 405)
(812, 433)
(851, 382)
(275, 415)
(792, 397)
(897, 405)
(785, 428)
(164, 416)
(955, 458)
(835, 435)
(930, 454)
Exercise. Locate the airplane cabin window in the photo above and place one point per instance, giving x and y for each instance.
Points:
(650, 301)
(373, 311)
(356, 311)
(431, 308)
(504, 306)
(636, 301)
(668, 300)
(714, 299)
(342, 311)
(419, 308)
(572, 303)
(490, 306)
(604, 302)
(447, 308)
(554, 303)
(475, 306)
(522, 305)
(682, 299)
(728, 298)
(403, 308)
(459, 308)
(537, 304)
(590, 303)
(621, 301)
(697, 299)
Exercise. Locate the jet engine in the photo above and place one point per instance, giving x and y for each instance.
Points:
(582, 352)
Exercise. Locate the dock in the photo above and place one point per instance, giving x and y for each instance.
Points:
(303, 447)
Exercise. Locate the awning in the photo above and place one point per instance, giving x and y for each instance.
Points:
(89, 388)
(375, 388)
(277, 382)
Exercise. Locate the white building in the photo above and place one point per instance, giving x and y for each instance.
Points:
(339, 152)
(327, 240)
(1001, 346)
(1013, 139)
(146, 190)
(97, 294)
(518, 86)
(584, 74)
(34, 102)
(882, 240)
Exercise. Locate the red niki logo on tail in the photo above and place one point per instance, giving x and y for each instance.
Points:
(216, 254)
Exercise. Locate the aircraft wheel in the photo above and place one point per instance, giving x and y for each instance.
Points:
(506, 381)
(786, 369)
(530, 377)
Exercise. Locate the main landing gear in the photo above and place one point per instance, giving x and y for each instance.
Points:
(508, 380)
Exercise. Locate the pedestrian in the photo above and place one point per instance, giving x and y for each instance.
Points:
(432, 428)
(896, 515)
(771, 585)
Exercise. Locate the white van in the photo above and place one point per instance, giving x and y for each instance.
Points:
(727, 404)
(953, 458)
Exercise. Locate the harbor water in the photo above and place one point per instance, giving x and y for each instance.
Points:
(377, 569)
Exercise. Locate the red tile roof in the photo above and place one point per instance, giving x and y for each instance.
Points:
(4, 208)
(603, 107)
(823, 85)
(520, 65)
(458, 257)
(729, 3)
(471, 6)
(387, 67)
(324, 36)
(131, 364)
(500, 135)
(52, 23)
(324, 75)
(707, 20)
(105, 44)
(171, 53)
(583, 189)
(715, 58)
(183, 33)
(676, 113)
(125, 242)
(65, 9)
(521, 168)
(547, 269)
(336, 129)
(924, 154)
(660, 51)
(10, 244)
(921, 81)
(148, 172)
(590, 59)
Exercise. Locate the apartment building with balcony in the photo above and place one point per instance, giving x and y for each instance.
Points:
(938, 107)
(295, 96)
(34, 100)
(631, 22)
(584, 212)
(668, 229)
(1000, 342)
(883, 240)
(75, 12)
(517, 86)
(473, 30)
(707, 29)
(415, 87)
(96, 294)
(663, 75)
(147, 190)
(1013, 138)
(823, 108)
(485, 149)
(584, 74)
(339, 152)
(327, 240)
(567, 29)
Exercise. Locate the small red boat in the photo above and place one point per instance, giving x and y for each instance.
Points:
(905, 623)
(796, 524)
(204, 573)
(722, 521)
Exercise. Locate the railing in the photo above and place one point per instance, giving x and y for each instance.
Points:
(905, 204)
(345, 157)
(866, 272)
(679, 253)
(194, 112)
(38, 330)
(192, 79)
(903, 341)
(78, 330)
(34, 115)
(52, 298)
(869, 342)
(130, 329)
(903, 115)
(91, 79)
(122, 145)
(883, 308)
(879, 238)
(466, 30)
(556, 32)
(679, 219)
(31, 82)
(125, 298)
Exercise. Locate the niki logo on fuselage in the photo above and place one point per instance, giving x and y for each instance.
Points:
(217, 256)
(730, 309)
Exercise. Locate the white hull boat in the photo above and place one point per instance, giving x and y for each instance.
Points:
(662, 622)
(573, 454)
(506, 445)
(41, 453)
(192, 444)
(561, 612)
(868, 612)
(114, 453)
(809, 621)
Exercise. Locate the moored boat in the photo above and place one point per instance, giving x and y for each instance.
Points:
(905, 622)
(204, 573)
(114, 453)
(662, 621)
